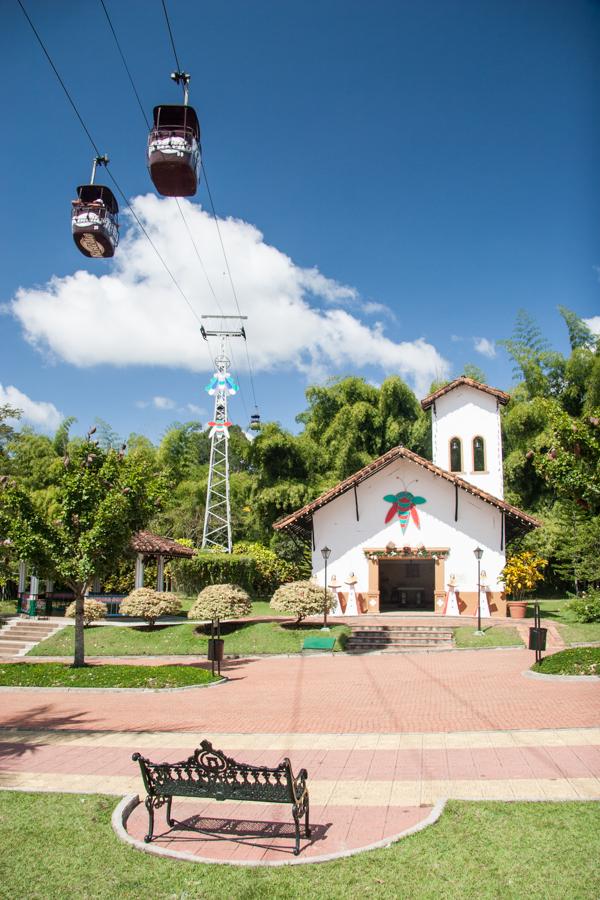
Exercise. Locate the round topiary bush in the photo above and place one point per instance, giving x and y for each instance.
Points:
(93, 610)
(302, 598)
(221, 601)
(149, 604)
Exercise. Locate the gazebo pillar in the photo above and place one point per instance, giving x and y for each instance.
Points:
(160, 573)
(139, 570)
(22, 575)
(96, 585)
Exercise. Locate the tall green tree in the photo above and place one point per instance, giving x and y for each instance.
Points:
(102, 498)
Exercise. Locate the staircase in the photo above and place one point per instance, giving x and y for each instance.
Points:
(18, 636)
(399, 638)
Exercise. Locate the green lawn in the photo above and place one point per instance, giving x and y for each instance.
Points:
(240, 638)
(59, 845)
(576, 661)
(572, 632)
(108, 676)
(493, 636)
(7, 607)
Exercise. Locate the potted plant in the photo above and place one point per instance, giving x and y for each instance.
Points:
(520, 575)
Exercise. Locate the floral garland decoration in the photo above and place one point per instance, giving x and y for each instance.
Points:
(393, 552)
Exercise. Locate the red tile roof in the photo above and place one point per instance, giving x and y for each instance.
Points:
(154, 545)
(467, 382)
(299, 520)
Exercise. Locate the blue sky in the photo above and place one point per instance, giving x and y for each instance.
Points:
(395, 179)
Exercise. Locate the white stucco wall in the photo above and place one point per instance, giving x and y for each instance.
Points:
(478, 523)
(466, 412)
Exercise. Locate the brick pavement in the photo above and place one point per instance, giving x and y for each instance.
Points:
(383, 738)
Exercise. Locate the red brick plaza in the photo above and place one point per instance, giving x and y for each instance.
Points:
(384, 738)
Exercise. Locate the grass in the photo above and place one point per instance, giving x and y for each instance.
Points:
(105, 676)
(572, 632)
(7, 607)
(493, 636)
(576, 661)
(240, 638)
(476, 851)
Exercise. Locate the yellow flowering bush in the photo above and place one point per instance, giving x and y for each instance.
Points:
(522, 573)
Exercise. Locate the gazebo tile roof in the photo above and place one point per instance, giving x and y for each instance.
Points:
(155, 545)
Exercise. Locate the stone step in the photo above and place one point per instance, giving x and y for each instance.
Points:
(440, 632)
(386, 638)
(434, 648)
(16, 645)
(401, 628)
(356, 645)
(34, 632)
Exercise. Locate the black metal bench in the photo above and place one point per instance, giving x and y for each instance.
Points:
(209, 773)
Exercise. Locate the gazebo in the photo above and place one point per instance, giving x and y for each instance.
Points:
(147, 545)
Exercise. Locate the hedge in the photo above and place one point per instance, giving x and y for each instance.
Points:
(192, 575)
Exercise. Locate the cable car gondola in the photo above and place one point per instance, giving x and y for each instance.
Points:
(94, 217)
(254, 421)
(174, 146)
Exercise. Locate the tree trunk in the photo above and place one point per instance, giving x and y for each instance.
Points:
(79, 651)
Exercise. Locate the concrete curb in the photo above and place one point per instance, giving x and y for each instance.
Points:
(109, 690)
(124, 809)
(541, 676)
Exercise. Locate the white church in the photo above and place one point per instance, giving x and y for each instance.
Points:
(402, 533)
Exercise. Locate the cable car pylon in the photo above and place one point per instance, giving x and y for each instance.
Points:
(217, 516)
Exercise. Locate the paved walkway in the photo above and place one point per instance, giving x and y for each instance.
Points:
(383, 739)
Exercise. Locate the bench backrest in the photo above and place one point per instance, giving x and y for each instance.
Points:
(209, 773)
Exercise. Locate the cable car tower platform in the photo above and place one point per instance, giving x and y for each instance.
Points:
(217, 517)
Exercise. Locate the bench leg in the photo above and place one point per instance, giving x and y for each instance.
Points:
(297, 824)
(170, 821)
(148, 803)
(306, 824)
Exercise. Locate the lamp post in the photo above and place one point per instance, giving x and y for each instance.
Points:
(325, 553)
(478, 554)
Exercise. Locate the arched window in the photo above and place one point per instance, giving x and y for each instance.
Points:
(478, 454)
(455, 455)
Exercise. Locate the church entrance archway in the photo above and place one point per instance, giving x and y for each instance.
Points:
(407, 585)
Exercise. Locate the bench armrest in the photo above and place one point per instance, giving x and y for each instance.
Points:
(299, 788)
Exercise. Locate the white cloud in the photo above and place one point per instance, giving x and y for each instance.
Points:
(593, 324)
(455, 338)
(194, 409)
(163, 403)
(132, 314)
(37, 412)
(485, 347)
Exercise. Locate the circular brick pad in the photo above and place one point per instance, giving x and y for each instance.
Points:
(258, 833)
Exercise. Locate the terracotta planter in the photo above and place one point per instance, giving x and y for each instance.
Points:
(517, 608)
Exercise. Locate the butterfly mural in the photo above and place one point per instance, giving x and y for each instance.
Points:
(404, 506)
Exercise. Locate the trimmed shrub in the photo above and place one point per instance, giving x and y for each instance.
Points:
(585, 608)
(93, 610)
(148, 604)
(221, 601)
(302, 598)
(206, 568)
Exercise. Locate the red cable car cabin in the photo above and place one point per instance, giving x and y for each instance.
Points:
(94, 221)
(174, 151)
